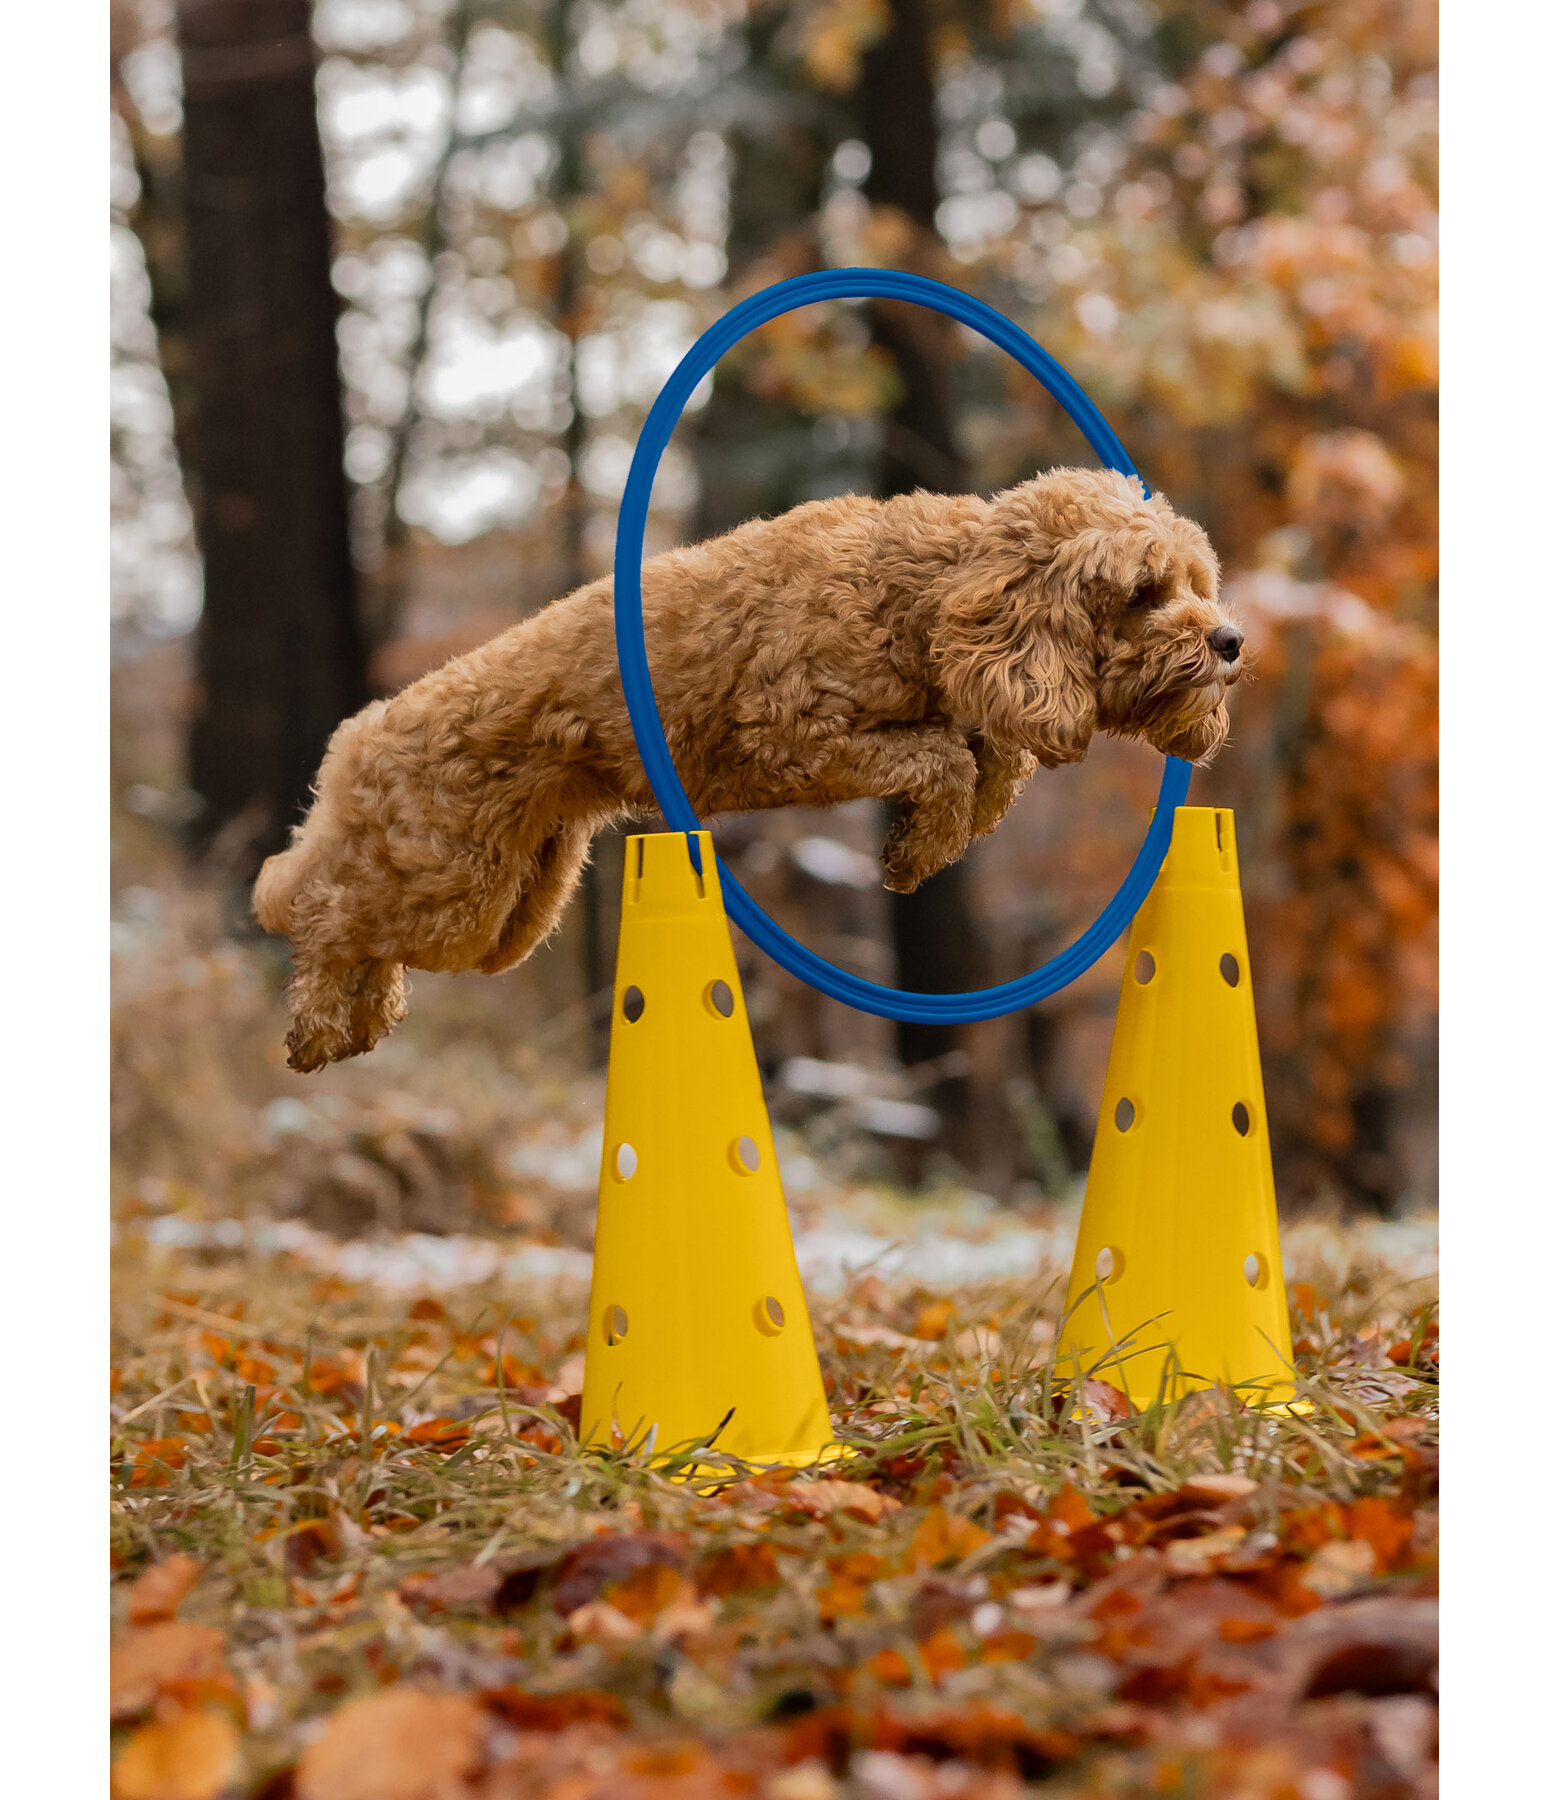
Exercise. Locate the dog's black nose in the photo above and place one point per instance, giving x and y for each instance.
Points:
(1226, 641)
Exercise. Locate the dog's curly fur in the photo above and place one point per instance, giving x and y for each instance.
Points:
(925, 649)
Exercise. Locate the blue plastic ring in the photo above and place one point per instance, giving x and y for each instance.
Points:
(635, 673)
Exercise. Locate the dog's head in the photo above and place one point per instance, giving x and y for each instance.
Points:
(1082, 605)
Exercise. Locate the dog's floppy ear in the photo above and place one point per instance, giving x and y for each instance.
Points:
(1015, 662)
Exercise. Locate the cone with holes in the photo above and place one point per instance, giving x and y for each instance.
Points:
(697, 1328)
(1177, 1277)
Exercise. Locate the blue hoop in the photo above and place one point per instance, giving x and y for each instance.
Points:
(635, 673)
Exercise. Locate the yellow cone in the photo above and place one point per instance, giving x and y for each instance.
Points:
(1178, 1240)
(696, 1309)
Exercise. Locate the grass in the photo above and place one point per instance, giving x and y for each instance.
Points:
(386, 1496)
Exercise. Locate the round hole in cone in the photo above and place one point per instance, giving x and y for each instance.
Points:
(1125, 1114)
(616, 1324)
(770, 1316)
(1146, 967)
(1109, 1263)
(626, 1162)
(1256, 1271)
(1242, 1119)
(718, 997)
(745, 1155)
(633, 1004)
(1229, 967)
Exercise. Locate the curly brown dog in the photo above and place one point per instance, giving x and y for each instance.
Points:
(924, 649)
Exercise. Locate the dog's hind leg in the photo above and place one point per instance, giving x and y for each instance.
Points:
(340, 1009)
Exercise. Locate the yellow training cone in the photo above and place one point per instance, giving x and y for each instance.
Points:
(696, 1319)
(1178, 1252)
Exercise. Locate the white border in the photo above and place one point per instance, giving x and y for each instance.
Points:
(54, 891)
(1496, 963)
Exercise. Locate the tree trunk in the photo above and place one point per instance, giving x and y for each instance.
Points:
(937, 947)
(280, 654)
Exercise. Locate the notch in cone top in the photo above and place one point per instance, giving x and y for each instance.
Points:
(1203, 852)
(661, 880)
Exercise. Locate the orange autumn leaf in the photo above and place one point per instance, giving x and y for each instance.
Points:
(160, 1656)
(155, 1461)
(1245, 1631)
(943, 1537)
(850, 1578)
(646, 1592)
(933, 1320)
(439, 1434)
(1377, 1523)
(738, 1569)
(191, 1756)
(403, 1744)
(888, 1668)
(161, 1590)
(942, 1652)
(1008, 1647)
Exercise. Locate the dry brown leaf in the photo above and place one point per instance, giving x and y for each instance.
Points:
(944, 1537)
(567, 1381)
(599, 1623)
(822, 1499)
(1344, 1566)
(1218, 1490)
(162, 1589)
(153, 1658)
(1198, 1555)
(403, 1744)
(850, 1334)
(190, 1756)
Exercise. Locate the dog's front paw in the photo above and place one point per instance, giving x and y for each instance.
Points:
(342, 1010)
(899, 880)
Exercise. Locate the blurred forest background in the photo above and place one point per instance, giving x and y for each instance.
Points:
(394, 284)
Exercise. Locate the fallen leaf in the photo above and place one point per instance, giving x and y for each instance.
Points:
(156, 1460)
(1374, 1521)
(1199, 1555)
(822, 1499)
(439, 1434)
(1342, 1566)
(596, 1622)
(472, 1588)
(943, 1537)
(933, 1320)
(850, 1579)
(1218, 1490)
(589, 1568)
(155, 1657)
(809, 1780)
(646, 1591)
(162, 1589)
(1041, 1597)
(567, 1380)
(553, 1712)
(403, 1744)
(738, 1569)
(849, 1334)
(191, 1756)
(1095, 1402)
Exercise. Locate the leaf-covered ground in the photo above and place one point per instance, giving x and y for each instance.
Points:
(357, 1556)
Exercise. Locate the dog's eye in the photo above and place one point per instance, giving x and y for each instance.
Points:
(1150, 593)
